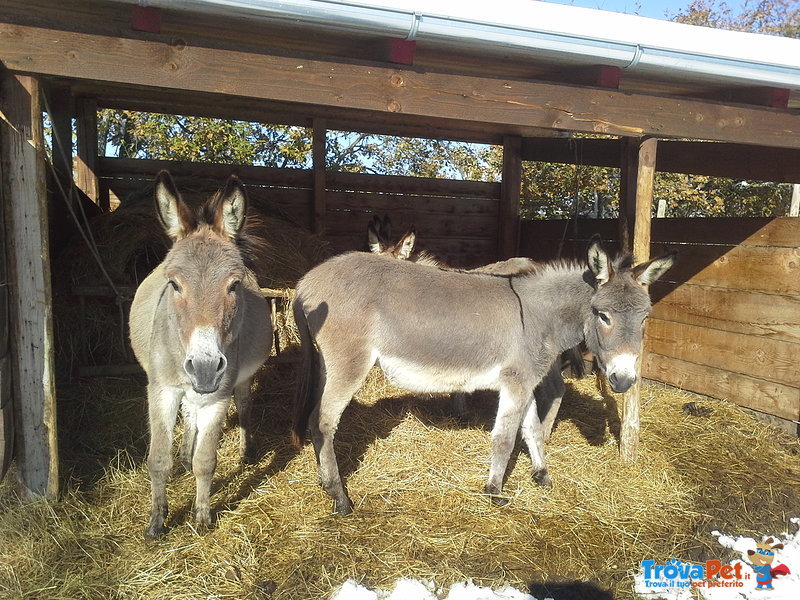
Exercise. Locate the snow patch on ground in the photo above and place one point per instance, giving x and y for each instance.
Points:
(785, 588)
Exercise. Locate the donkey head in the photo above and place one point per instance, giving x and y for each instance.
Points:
(379, 233)
(203, 273)
(619, 307)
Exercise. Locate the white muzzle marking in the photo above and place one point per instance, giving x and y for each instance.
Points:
(621, 371)
(205, 362)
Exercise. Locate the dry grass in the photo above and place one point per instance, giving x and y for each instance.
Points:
(414, 474)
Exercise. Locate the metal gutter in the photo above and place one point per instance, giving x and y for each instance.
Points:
(560, 33)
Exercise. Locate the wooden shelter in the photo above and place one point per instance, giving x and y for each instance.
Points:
(727, 323)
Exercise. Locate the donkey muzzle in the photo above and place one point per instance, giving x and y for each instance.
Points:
(205, 364)
(621, 372)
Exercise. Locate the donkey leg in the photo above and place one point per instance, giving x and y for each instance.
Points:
(241, 396)
(210, 419)
(549, 394)
(504, 434)
(189, 435)
(341, 382)
(533, 432)
(163, 411)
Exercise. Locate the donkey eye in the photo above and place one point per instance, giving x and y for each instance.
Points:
(174, 285)
(604, 318)
(234, 286)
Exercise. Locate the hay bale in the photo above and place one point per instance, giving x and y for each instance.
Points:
(415, 474)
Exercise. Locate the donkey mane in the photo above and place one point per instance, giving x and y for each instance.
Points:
(249, 239)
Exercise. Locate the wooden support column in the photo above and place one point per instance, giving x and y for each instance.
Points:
(508, 213)
(31, 318)
(86, 164)
(635, 210)
(319, 208)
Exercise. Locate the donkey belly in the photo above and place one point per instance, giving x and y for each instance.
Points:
(437, 378)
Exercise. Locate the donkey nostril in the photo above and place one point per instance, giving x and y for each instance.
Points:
(222, 364)
(188, 366)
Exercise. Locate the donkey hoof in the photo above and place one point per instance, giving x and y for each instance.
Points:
(542, 478)
(342, 507)
(202, 519)
(155, 531)
(495, 495)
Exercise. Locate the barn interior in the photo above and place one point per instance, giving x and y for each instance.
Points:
(570, 88)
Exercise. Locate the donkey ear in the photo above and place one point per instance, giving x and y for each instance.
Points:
(405, 247)
(647, 273)
(175, 216)
(751, 552)
(374, 237)
(232, 207)
(599, 262)
(777, 546)
(385, 229)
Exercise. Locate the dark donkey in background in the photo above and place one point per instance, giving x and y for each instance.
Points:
(435, 330)
(200, 328)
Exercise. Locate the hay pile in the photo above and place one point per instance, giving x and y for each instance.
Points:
(415, 474)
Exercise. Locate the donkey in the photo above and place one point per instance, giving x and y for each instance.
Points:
(434, 330)
(550, 391)
(200, 328)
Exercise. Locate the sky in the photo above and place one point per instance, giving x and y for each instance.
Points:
(655, 9)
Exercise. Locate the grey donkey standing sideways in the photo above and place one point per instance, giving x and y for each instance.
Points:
(439, 330)
(200, 328)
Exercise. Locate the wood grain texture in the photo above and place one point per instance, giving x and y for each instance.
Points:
(730, 231)
(771, 360)
(773, 316)
(322, 82)
(752, 392)
(25, 207)
(319, 191)
(714, 159)
(511, 184)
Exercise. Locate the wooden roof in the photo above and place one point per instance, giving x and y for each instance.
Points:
(218, 66)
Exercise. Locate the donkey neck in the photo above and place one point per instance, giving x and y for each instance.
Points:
(557, 298)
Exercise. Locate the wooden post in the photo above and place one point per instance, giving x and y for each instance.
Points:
(794, 207)
(508, 213)
(6, 398)
(86, 163)
(31, 318)
(636, 205)
(319, 208)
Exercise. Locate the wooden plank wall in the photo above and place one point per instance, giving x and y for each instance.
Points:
(455, 220)
(726, 319)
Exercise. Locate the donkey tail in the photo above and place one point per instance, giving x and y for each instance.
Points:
(306, 378)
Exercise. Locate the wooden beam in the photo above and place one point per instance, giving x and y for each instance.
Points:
(510, 186)
(318, 215)
(760, 96)
(25, 207)
(604, 76)
(86, 163)
(714, 159)
(369, 87)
